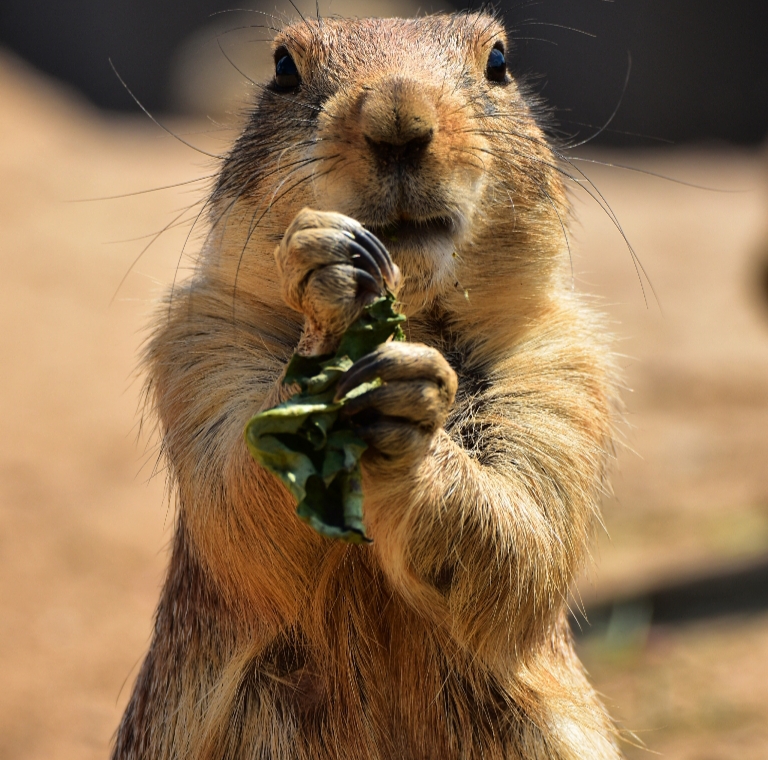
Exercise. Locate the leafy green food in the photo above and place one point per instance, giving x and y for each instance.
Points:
(309, 445)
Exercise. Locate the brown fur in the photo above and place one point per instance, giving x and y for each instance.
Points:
(448, 638)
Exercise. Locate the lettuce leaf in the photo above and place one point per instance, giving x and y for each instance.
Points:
(306, 442)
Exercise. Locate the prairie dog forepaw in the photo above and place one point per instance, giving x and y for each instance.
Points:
(331, 268)
(399, 418)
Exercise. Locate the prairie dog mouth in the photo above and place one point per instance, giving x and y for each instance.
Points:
(415, 231)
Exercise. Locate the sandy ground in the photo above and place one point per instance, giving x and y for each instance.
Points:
(84, 528)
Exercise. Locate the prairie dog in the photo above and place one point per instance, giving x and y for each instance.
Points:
(488, 442)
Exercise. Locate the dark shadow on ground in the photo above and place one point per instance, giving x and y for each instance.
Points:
(742, 591)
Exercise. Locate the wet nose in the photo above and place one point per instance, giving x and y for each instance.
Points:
(399, 122)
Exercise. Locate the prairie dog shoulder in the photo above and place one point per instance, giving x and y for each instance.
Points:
(401, 153)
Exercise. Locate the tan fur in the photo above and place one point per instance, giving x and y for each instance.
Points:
(448, 637)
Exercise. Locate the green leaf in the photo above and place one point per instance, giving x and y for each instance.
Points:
(292, 467)
(288, 417)
(300, 368)
(343, 453)
(305, 442)
(377, 324)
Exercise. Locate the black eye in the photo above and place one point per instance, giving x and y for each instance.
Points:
(496, 69)
(286, 73)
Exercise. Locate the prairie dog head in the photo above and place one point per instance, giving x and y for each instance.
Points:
(415, 128)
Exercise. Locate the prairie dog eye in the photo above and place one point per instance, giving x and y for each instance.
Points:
(496, 68)
(286, 73)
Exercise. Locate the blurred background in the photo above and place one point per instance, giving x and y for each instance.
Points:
(676, 628)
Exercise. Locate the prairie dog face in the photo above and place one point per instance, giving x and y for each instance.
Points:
(412, 161)
(413, 127)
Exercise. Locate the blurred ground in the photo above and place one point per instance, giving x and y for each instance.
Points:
(83, 529)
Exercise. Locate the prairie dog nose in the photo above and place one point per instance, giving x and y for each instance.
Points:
(398, 121)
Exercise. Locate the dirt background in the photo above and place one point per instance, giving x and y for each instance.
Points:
(84, 527)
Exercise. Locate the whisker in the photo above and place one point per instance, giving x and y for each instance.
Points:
(277, 30)
(486, 40)
(527, 4)
(141, 192)
(649, 173)
(234, 29)
(155, 237)
(221, 190)
(301, 15)
(215, 223)
(639, 268)
(534, 22)
(139, 238)
(615, 110)
(155, 121)
(470, 151)
(565, 235)
(535, 39)
(264, 87)
(619, 131)
(591, 189)
(246, 10)
(181, 255)
(274, 200)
